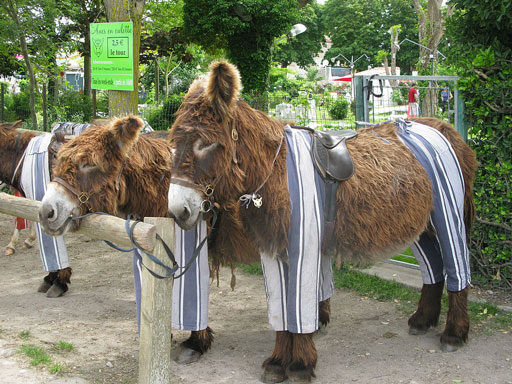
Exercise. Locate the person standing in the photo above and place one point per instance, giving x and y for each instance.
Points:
(414, 98)
(446, 96)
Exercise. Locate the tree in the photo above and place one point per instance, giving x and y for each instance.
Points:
(122, 103)
(359, 27)
(19, 13)
(430, 32)
(246, 32)
(303, 48)
(481, 53)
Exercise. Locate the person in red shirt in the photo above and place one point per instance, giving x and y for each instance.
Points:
(414, 98)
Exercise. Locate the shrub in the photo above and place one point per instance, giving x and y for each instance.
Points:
(161, 118)
(339, 108)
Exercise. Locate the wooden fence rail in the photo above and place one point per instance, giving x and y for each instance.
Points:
(156, 294)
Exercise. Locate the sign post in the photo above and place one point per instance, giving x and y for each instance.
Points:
(112, 56)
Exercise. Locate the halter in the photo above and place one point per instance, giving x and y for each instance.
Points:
(83, 197)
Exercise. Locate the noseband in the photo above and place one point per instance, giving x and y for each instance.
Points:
(83, 197)
(207, 204)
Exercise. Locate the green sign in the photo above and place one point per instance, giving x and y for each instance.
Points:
(112, 56)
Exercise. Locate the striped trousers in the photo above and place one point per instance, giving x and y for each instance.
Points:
(446, 252)
(298, 280)
(35, 176)
(190, 292)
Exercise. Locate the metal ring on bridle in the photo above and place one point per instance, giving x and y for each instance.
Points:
(208, 190)
(206, 206)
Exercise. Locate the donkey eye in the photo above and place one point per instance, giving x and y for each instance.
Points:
(203, 149)
(87, 168)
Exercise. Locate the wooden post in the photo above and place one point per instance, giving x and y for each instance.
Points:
(155, 319)
(103, 227)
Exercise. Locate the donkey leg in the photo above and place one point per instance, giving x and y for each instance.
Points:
(275, 365)
(47, 282)
(193, 348)
(304, 357)
(60, 284)
(11, 247)
(457, 322)
(429, 308)
(324, 312)
(31, 240)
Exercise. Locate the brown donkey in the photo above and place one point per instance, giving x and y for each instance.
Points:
(123, 173)
(250, 166)
(12, 146)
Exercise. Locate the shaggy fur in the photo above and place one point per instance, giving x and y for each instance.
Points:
(429, 308)
(8, 137)
(383, 208)
(127, 173)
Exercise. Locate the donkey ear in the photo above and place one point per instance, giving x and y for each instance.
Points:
(223, 87)
(126, 130)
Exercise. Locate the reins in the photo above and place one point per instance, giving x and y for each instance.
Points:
(169, 271)
(15, 168)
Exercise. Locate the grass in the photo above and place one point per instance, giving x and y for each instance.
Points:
(37, 355)
(56, 368)
(24, 335)
(483, 316)
(64, 346)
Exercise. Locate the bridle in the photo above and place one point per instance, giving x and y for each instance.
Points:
(208, 203)
(83, 197)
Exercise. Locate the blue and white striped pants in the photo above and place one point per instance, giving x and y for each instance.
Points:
(35, 176)
(446, 251)
(190, 292)
(296, 282)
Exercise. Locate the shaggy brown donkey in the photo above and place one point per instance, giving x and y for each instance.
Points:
(225, 147)
(12, 146)
(123, 173)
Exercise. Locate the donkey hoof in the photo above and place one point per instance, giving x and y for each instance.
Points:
(187, 356)
(273, 373)
(418, 330)
(446, 347)
(27, 245)
(9, 251)
(298, 373)
(55, 291)
(44, 287)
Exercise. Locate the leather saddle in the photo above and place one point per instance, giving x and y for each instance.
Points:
(330, 153)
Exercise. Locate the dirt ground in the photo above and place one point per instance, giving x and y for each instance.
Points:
(366, 342)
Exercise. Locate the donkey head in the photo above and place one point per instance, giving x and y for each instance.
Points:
(202, 137)
(87, 174)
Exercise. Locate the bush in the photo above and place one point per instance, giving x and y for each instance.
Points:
(339, 108)
(161, 118)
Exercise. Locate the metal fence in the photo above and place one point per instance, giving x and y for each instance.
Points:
(381, 97)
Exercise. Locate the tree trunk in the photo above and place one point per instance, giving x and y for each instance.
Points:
(157, 81)
(13, 13)
(87, 62)
(122, 103)
(430, 32)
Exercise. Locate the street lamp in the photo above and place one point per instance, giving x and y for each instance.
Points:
(296, 29)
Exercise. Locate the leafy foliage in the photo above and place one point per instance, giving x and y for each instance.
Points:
(246, 31)
(303, 48)
(339, 109)
(359, 27)
(482, 52)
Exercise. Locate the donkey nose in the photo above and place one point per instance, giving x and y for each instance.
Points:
(185, 214)
(47, 212)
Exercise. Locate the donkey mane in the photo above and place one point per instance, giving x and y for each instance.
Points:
(137, 166)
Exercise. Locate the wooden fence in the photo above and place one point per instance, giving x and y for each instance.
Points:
(156, 294)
